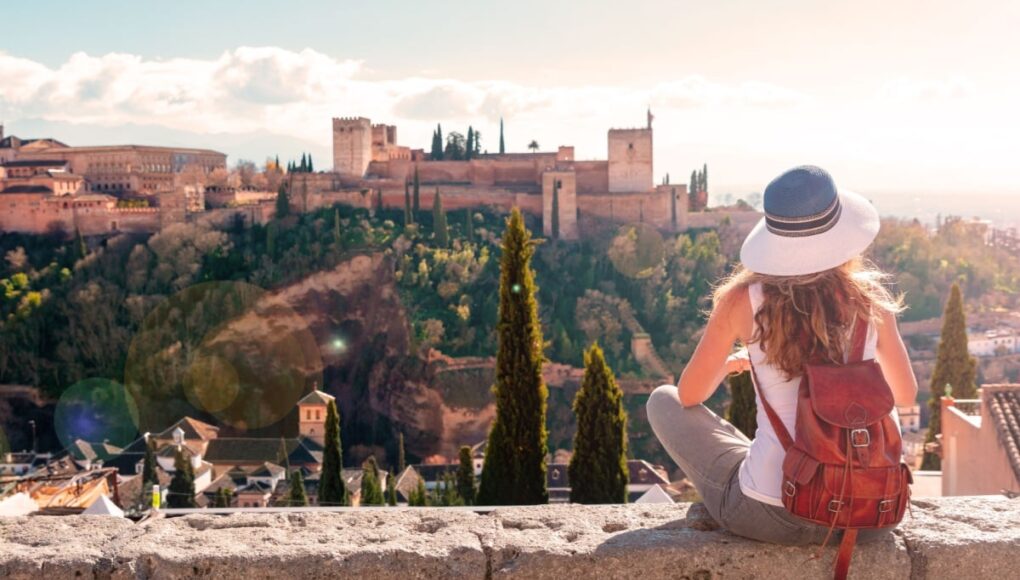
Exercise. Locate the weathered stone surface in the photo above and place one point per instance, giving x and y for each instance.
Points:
(964, 537)
(947, 538)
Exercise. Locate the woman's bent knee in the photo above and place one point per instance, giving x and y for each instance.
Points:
(663, 401)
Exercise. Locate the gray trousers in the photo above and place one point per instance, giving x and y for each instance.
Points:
(709, 450)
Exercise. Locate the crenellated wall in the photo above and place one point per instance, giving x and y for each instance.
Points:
(966, 537)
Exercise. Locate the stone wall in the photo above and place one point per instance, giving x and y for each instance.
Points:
(971, 538)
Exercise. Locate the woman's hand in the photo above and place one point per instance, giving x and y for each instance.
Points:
(738, 362)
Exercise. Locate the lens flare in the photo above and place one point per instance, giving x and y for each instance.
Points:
(95, 410)
(228, 351)
(636, 250)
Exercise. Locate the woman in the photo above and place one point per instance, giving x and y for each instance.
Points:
(801, 285)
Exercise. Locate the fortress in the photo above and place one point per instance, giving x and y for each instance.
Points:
(619, 189)
(48, 187)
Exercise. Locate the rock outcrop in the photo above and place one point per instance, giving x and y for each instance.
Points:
(970, 538)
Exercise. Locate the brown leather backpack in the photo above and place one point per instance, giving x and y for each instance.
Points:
(843, 467)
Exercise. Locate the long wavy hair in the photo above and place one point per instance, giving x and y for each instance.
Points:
(808, 318)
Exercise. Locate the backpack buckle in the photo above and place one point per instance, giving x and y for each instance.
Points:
(789, 488)
(860, 438)
(835, 505)
(885, 505)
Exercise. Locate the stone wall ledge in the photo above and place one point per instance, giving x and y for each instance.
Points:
(968, 537)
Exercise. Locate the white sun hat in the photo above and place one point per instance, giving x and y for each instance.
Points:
(809, 225)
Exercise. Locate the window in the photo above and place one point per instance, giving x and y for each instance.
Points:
(318, 415)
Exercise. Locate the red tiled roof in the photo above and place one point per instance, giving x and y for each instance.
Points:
(1003, 403)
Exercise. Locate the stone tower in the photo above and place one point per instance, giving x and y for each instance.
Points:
(566, 201)
(352, 145)
(312, 415)
(630, 160)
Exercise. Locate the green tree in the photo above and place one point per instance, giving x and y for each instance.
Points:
(418, 497)
(514, 469)
(282, 202)
(391, 488)
(442, 230)
(704, 178)
(533, 146)
(954, 367)
(332, 491)
(742, 412)
(598, 467)
(81, 249)
(304, 163)
(556, 209)
(692, 192)
(297, 496)
(417, 195)
(311, 167)
(437, 144)
(337, 234)
(469, 148)
(447, 491)
(224, 497)
(466, 476)
(182, 486)
(371, 487)
(456, 145)
(149, 476)
(469, 226)
(408, 218)
(502, 143)
(672, 207)
(401, 458)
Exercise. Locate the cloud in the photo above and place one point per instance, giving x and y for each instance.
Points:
(927, 91)
(296, 92)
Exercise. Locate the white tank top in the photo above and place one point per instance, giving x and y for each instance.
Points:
(761, 473)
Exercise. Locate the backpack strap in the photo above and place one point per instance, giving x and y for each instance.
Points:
(860, 337)
(777, 424)
(846, 551)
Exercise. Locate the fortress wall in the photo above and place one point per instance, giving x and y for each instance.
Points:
(744, 221)
(951, 537)
(592, 176)
(651, 208)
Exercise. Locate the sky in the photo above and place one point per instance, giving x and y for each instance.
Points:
(910, 97)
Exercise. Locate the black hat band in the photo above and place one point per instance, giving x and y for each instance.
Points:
(795, 227)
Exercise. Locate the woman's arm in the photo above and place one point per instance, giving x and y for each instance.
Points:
(892, 358)
(713, 358)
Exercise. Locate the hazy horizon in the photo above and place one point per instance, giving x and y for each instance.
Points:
(915, 98)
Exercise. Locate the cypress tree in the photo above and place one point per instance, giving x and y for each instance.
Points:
(598, 467)
(304, 163)
(182, 486)
(469, 149)
(271, 240)
(149, 476)
(311, 168)
(556, 209)
(371, 488)
(704, 178)
(466, 476)
(332, 491)
(742, 412)
(514, 469)
(672, 208)
(449, 496)
(391, 489)
(408, 220)
(282, 202)
(437, 152)
(81, 249)
(692, 192)
(297, 496)
(954, 367)
(337, 234)
(401, 460)
(439, 224)
(418, 497)
(416, 207)
(469, 226)
(502, 144)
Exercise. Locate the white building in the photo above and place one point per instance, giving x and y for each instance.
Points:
(993, 342)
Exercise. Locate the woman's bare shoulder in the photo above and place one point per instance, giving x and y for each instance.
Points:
(734, 305)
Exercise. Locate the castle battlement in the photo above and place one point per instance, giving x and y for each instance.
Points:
(352, 121)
